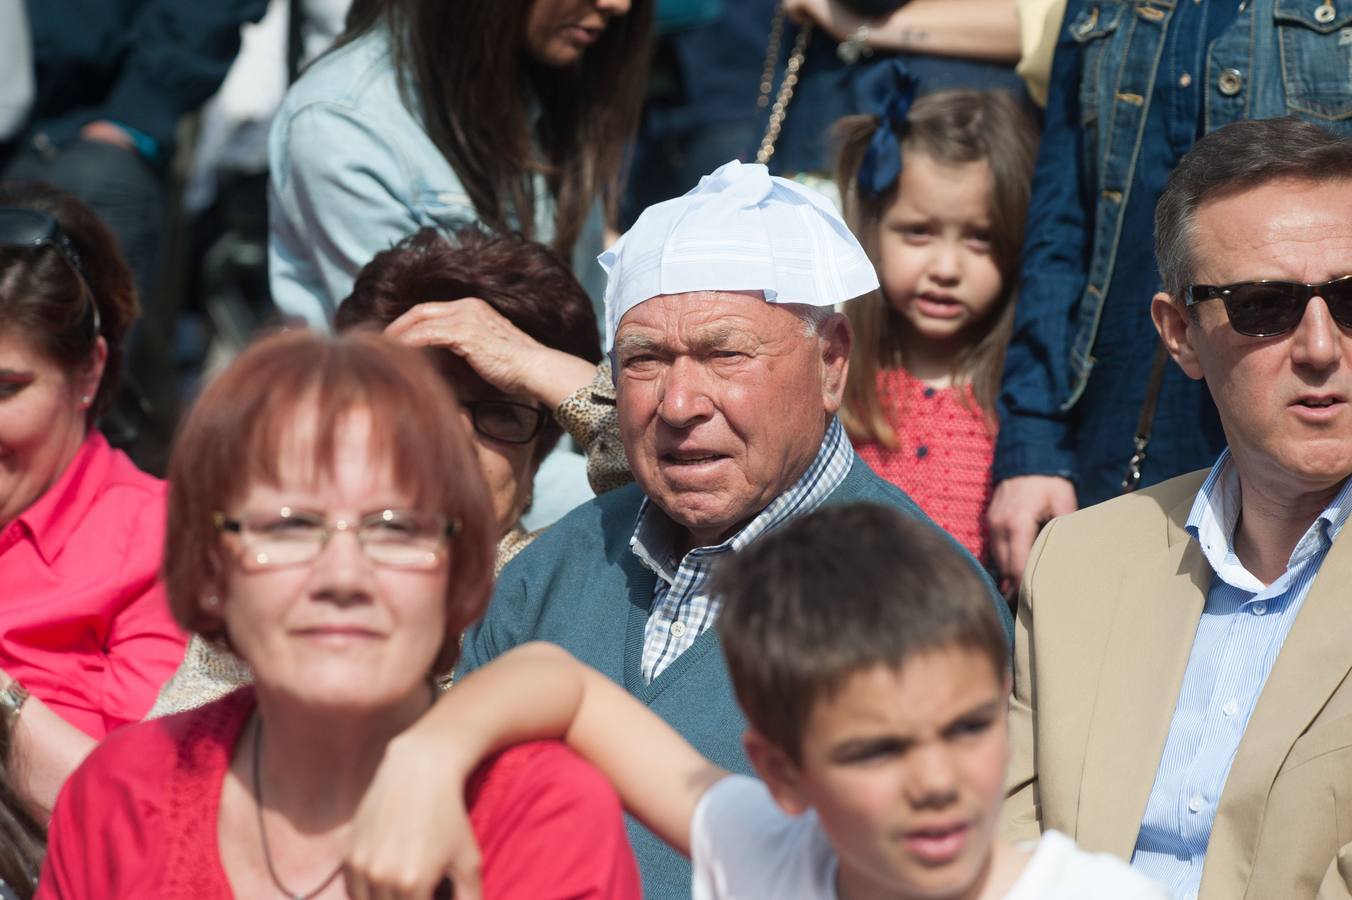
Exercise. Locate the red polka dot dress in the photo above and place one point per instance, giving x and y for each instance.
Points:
(944, 453)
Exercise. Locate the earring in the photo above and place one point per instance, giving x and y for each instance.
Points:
(86, 400)
(211, 601)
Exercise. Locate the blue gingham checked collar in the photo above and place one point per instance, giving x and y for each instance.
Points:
(682, 610)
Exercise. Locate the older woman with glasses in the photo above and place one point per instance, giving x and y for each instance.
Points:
(510, 328)
(85, 637)
(327, 520)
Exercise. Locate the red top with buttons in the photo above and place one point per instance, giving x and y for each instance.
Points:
(944, 453)
(139, 819)
(84, 623)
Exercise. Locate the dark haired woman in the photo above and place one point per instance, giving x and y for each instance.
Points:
(514, 333)
(512, 113)
(85, 637)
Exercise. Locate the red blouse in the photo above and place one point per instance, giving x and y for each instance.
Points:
(943, 456)
(84, 624)
(139, 818)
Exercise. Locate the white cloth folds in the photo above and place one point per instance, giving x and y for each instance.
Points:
(739, 229)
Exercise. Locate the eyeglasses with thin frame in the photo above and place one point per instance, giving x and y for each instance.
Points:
(396, 538)
(506, 420)
(30, 228)
(1270, 308)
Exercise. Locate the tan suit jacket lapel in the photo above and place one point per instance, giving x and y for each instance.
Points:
(1147, 653)
(1314, 660)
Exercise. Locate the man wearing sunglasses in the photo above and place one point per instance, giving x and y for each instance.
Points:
(1191, 707)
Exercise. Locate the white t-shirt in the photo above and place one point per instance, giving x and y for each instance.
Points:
(744, 847)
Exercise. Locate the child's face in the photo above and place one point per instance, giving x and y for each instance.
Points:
(905, 769)
(934, 245)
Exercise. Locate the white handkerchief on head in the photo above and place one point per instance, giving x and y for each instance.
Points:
(739, 229)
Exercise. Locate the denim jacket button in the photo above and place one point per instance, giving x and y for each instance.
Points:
(1325, 12)
(1230, 82)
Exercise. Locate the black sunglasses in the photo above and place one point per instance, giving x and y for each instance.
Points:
(30, 228)
(1270, 308)
(506, 421)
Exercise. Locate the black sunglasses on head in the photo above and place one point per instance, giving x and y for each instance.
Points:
(30, 228)
(1270, 308)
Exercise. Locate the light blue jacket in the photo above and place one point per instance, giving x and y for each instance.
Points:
(353, 172)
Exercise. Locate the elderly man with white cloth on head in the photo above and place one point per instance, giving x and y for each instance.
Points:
(729, 364)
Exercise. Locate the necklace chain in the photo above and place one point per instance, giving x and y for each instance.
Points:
(780, 110)
(263, 831)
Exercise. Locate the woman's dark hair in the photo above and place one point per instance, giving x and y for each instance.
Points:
(42, 297)
(528, 283)
(22, 839)
(465, 71)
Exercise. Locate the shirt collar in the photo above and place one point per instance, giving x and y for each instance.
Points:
(654, 538)
(54, 515)
(1215, 512)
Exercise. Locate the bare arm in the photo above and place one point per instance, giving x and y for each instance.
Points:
(412, 827)
(44, 750)
(502, 354)
(973, 29)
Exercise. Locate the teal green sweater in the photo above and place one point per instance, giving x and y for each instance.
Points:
(581, 587)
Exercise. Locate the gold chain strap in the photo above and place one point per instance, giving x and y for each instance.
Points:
(780, 110)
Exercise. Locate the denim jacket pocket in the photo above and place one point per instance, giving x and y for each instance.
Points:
(1316, 56)
(1092, 29)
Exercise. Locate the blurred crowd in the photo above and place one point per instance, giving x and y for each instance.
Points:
(431, 431)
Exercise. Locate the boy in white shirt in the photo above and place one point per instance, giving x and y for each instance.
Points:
(874, 677)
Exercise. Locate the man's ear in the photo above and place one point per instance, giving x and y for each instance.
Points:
(1172, 321)
(778, 771)
(835, 339)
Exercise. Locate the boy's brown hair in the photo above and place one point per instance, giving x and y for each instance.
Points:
(836, 592)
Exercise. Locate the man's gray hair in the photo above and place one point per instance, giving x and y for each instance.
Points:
(813, 317)
(1240, 156)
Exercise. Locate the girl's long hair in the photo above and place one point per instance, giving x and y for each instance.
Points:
(465, 71)
(22, 839)
(952, 127)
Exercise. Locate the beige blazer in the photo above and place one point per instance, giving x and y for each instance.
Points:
(1107, 613)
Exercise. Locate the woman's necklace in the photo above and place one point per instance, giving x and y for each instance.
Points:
(263, 831)
(780, 110)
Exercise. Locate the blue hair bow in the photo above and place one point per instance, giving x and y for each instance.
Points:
(886, 91)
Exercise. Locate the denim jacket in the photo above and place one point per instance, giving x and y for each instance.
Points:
(1134, 83)
(352, 172)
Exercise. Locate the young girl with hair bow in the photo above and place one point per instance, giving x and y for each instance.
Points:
(936, 191)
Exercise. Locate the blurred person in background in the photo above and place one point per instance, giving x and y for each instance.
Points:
(511, 114)
(112, 80)
(721, 86)
(327, 519)
(85, 637)
(510, 329)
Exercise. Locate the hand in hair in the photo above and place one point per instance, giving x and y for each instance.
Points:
(499, 352)
(1019, 508)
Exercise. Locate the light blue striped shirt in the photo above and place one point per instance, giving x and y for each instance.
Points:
(682, 607)
(1242, 628)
